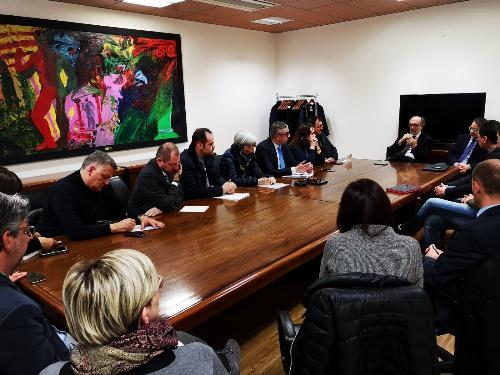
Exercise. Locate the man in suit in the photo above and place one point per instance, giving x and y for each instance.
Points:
(327, 149)
(274, 155)
(200, 177)
(76, 202)
(444, 272)
(465, 152)
(157, 188)
(28, 343)
(412, 147)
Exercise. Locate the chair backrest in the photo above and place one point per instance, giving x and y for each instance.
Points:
(121, 190)
(365, 324)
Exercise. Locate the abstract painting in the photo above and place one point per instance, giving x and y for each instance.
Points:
(67, 89)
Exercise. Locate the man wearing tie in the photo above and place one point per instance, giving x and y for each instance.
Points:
(157, 188)
(200, 177)
(465, 152)
(274, 155)
(412, 147)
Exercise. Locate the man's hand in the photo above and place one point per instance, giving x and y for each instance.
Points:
(463, 168)
(126, 225)
(330, 160)
(17, 275)
(433, 252)
(47, 243)
(153, 211)
(177, 176)
(467, 198)
(229, 187)
(145, 221)
(266, 181)
(412, 142)
(405, 138)
(304, 167)
(440, 190)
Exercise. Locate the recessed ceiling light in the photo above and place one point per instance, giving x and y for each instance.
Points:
(272, 21)
(153, 3)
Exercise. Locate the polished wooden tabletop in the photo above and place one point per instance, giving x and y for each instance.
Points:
(212, 259)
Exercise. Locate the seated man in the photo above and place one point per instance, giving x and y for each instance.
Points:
(465, 152)
(157, 187)
(274, 155)
(200, 178)
(76, 202)
(487, 140)
(327, 149)
(470, 247)
(28, 343)
(413, 147)
(238, 163)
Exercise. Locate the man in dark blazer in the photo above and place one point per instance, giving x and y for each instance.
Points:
(157, 188)
(472, 245)
(200, 177)
(28, 343)
(327, 149)
(412, 147)
(465, 152)
(274, 155)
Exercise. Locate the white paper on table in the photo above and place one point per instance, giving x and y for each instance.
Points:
(277, 185)
(194, 209)
(234, 197)
(299, 175)
(138, 228)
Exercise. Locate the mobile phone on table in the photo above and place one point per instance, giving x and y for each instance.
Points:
(58, 248)
(35, 277)
(138, 233)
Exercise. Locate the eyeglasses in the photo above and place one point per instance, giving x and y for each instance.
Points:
(29, 230)
(414, 124)
(286, 133)
(474, 130)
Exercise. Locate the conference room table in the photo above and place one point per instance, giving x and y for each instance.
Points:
(210, 260)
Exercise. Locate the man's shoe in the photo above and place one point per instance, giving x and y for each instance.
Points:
(231, 352)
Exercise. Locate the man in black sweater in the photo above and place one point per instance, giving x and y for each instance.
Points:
(157, 188)
(200, 177)
(412, 147)
(76, 202)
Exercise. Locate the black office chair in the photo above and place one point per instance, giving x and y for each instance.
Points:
(361, 324)
(120, 189)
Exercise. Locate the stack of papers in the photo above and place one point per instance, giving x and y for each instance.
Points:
(234, 197)
(299, 175)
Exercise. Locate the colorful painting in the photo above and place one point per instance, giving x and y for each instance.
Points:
(66, 89)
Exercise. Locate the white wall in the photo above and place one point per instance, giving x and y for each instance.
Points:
(360, 68)
(229, 73)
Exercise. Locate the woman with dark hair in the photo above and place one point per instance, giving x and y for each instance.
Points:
(367, 243)
(305, 147)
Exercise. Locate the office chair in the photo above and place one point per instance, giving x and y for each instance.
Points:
(361, 324)
(120, 189)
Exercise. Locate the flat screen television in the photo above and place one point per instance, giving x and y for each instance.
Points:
(446, 115)
(67, 89)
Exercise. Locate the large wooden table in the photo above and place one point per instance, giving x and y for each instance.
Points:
(211, 260)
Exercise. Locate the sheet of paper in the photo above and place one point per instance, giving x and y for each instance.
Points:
(277, 185)
(234, 197)
(194, 209)
(299, 175)
(137, 228)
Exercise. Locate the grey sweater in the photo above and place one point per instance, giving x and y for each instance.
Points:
(384, 254)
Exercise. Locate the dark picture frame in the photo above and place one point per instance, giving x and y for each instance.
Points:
(67, 89)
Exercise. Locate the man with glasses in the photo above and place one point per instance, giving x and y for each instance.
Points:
(412, 147)
(274, 155)
(76, 202)
(465, 152)
(157, 188)
(28, 343)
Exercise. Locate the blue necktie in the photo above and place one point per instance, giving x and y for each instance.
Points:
(281, 161)
(468, 150)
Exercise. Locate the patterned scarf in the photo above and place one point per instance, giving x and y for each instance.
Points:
(125, 353)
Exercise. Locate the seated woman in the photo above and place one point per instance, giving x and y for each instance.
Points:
(367, 243)
(305, 147)
(112, 309)
(238, 164)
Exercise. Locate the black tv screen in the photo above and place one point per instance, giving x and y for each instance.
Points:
(446, 115)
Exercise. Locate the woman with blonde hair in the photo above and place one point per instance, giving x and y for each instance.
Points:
(112, 309)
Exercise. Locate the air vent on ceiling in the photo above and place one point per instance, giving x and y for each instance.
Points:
(246, 5)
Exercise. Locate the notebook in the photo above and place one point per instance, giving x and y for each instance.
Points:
(403, 189)
(438, 167)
